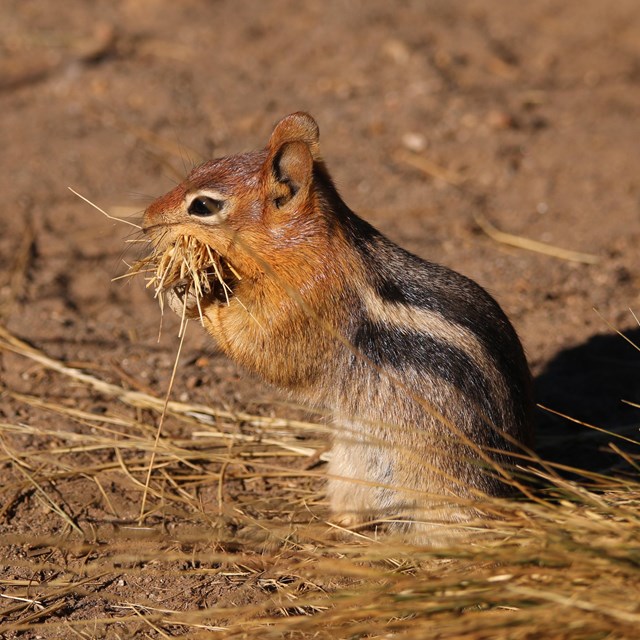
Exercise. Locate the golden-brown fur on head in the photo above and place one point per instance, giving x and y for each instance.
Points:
(277, 232)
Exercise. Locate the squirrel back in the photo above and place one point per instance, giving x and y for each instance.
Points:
(423, 372)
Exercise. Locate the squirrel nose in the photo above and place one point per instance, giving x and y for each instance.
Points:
(165, 210)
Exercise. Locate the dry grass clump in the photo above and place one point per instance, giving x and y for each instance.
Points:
(190, 267)
(234, 542)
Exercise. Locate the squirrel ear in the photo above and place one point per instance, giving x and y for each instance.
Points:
(297, 127)
(292, 168)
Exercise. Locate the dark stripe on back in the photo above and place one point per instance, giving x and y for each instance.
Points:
(404, 350)
(401, 278)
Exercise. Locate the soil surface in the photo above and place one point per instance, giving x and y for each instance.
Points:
(435, 118)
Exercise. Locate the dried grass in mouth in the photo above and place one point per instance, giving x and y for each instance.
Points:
(189, 266)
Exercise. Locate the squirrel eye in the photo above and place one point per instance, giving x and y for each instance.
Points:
(204, 206)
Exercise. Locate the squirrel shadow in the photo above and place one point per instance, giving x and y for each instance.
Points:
(589, 383)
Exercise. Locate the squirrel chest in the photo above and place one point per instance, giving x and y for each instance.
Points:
(424, 375)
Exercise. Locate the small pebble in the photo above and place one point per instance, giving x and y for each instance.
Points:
(414, 141)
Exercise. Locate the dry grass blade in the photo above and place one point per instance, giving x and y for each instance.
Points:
(610, 326)
(102, 211)
(434, 170)
(592, 426)
(42, 494)
(533, 245)
(429, 167)
(202, 414)
(159, 432)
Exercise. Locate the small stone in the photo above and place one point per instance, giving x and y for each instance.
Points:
(414, 141)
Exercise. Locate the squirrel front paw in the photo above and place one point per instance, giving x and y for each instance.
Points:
(183, 302)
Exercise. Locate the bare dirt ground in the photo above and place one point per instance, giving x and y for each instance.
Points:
(435, 117)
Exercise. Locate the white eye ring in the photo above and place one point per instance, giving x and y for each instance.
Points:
(207, 206)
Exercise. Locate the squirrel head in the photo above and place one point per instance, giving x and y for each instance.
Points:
(262, 199)
(270, 217)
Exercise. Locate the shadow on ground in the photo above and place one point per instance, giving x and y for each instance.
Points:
(589, 383)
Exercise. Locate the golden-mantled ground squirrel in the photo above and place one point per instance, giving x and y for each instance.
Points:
(421, 370)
